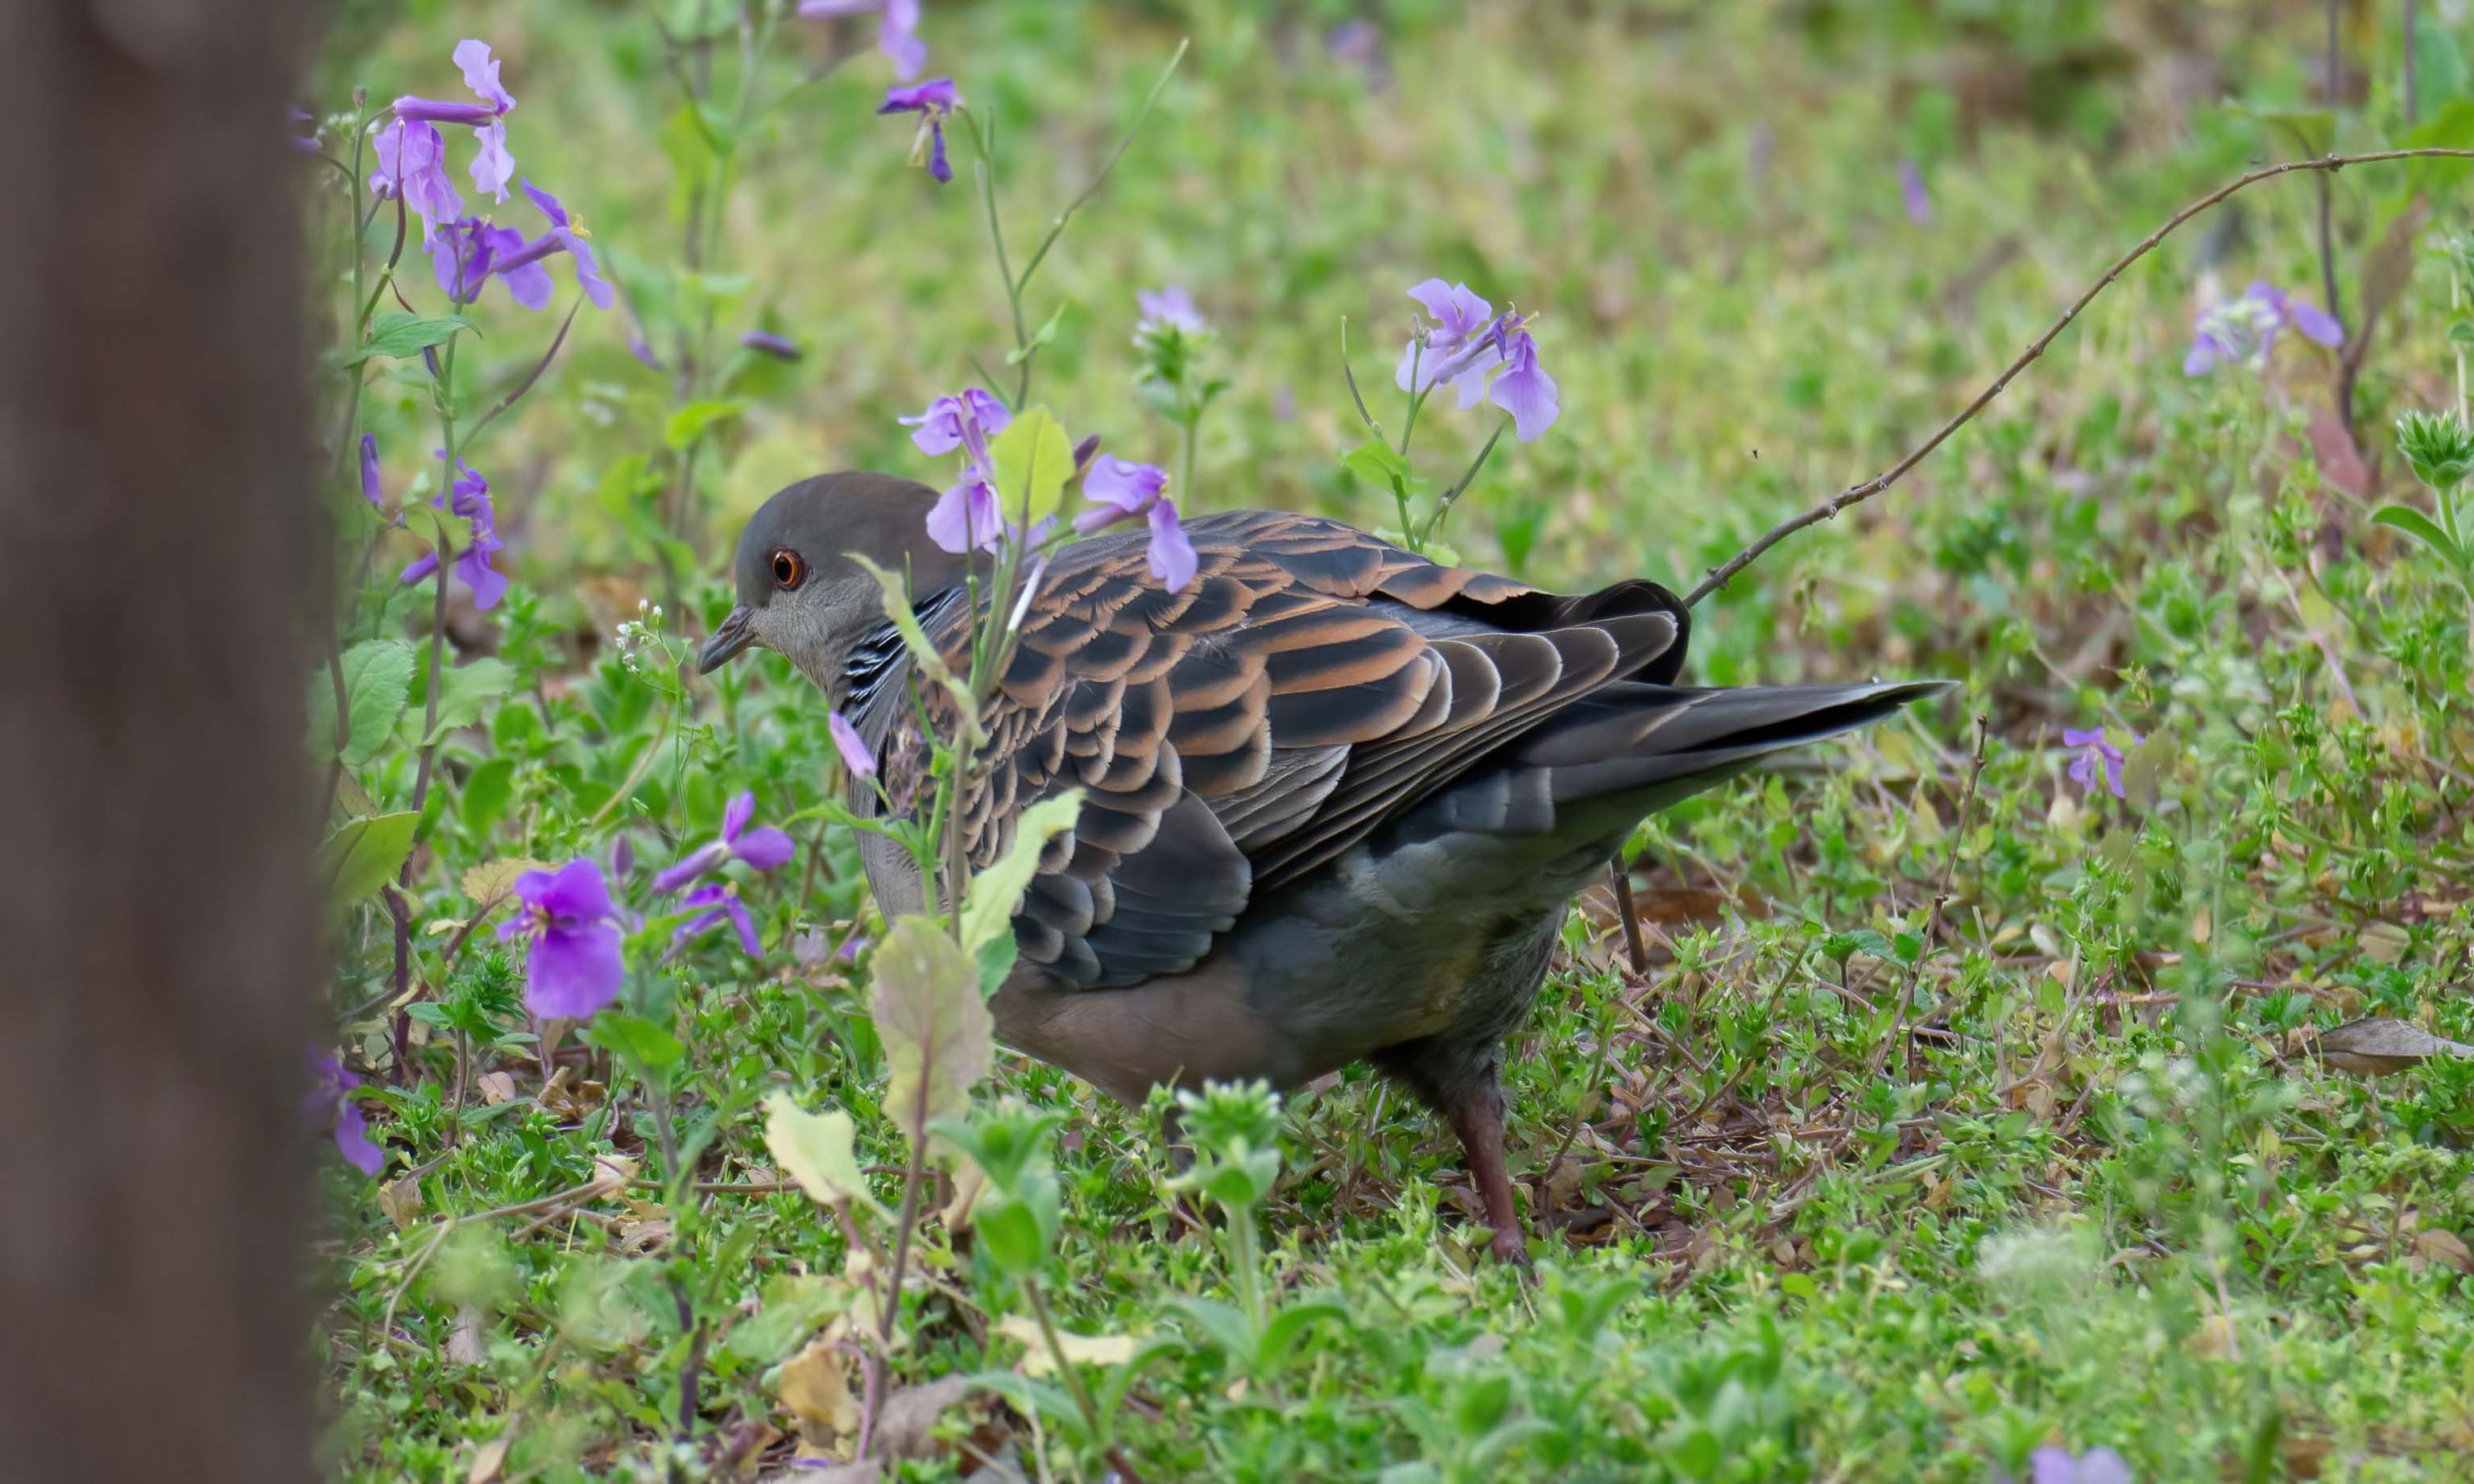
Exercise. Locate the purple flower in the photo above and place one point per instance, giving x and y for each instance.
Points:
(2052, 1464)
(330, 1102)
(931, 101)
(966, 515)
(1911, 192)
(575, 966)
(1524, 390)
(1125, 491)
(528, 280)
(720, 900)
(468, 498)
(851, 746)
(412, 154)
(2095, 755)
(763, 848)
(765, 342)
(2243, 330)
(897, 28)
(1462, 321)
(1169, 306)
(370, 488)
(412, 162)
(961, 422)
(463, 253)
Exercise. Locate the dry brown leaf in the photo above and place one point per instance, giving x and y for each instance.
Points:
(968, 1182)
(2442, 1245)
(570, 1099)
(815, 1386)
(2376, 1045)
(2341, 463)
(492, 1461)
(906, 1424)
(497, 1087)
(400, 1200)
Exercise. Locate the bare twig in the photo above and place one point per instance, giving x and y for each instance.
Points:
(1857, 494)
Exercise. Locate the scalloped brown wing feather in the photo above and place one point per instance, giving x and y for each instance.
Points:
(1232, 737)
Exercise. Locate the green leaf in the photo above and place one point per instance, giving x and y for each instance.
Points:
(1295, 1319)
(378, 678)
(988, 903)
(399, 334)
(2422, 527)
(650, 1049)
(488, 789)
(1033, 458)
(1041, 336)
(932, 1023)
(1374, 462)
(468, 688)
(698, 418)
(2461, 332)
(365, 854)
(2440, 71)
(818, 1151)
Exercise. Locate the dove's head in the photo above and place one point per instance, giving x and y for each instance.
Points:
(801, 593)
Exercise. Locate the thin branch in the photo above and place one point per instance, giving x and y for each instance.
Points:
(1123, 143)
(1857, 494)
(526, 384)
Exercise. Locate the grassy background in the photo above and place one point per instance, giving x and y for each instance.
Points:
(1840, 1190)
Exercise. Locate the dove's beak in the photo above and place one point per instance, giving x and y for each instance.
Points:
(734, 635)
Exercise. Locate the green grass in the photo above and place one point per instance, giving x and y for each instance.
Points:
(1843, 1188)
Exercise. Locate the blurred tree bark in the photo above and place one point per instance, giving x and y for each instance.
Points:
(158, 918)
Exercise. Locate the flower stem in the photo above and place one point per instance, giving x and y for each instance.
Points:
(1065, 1366)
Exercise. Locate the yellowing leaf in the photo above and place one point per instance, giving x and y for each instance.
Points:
(400, 1201)
(815, 1150)
(1033, 458)
(815, 1386)
(988, 905)
(1084, 1350)
(934, 1026)
(488, 883)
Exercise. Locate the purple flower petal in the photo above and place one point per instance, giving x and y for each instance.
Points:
(897, 36)
(2204, 356)
(965, 516)
(937, 166)
(1129, 486)
(696, 862)
(2104, 1466)
(1525, 391)
(487, 584)
(412, 162)
(572, 974)
(766, 343)
(1169, 553)
(369, 487)
(848, 742)
(2052, 1464)
(932, 97)
(2318, 323)
(481, 72)
(1171, 305)
(353, 1139)
(545, 204)
(492, 166)
(1911, 192)
(735, 813)
(720, 902)
(764, 849)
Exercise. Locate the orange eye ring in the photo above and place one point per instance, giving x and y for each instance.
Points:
(787, 569)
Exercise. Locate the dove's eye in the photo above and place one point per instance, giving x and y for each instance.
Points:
(787, 569)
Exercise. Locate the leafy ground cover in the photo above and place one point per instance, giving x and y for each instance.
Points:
(2076, 1064)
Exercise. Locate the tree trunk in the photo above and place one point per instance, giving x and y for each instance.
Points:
(158, 918)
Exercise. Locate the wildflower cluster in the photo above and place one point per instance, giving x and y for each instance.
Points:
(2242, 331)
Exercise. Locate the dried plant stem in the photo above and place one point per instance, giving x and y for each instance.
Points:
(1857, 494)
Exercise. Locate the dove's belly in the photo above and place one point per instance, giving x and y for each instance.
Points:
(1333, 971)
